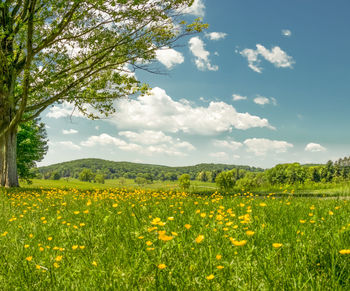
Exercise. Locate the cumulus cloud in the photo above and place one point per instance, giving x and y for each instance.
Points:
(69, 145)
(261, 146)
(286, 32)
(147, 142)
(237, 97)
(64, 110)
(216, 35)
(261, 100)
(314, 147)
(158, 111)
(231, 145)
(197, 47)
(169, 57)
(276, 56)
(69, 131)
(219, 155)
(197, 8)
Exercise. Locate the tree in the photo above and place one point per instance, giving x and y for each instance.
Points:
(86, 175)
(184, 181)
(226, 180)
(83, 52)
(31, 147)
(55, 175)
(99, 178)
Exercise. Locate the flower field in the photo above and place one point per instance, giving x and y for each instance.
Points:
(144, 240)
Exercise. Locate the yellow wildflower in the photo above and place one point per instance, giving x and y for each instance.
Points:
(199, 238)
(161, 266)
(277, 245)
(344, 252)
(210, 277)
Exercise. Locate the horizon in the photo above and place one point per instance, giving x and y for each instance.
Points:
(245, 92)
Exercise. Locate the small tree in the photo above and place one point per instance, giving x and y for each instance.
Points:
(99, 178)
(226, 180)
(140, 181)
(86, 175)
(184, 181)
(55, 175)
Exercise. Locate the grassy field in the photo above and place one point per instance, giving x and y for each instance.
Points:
(146, 239)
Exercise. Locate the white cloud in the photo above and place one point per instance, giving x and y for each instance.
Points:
(216, 35)
(158, 111)
(314, 147)
(70, 145)
(232, 145)
(64, 110)
(197, 47)
(197, 8)
(276, 56)
(169, 57)
(218, 155)
(261, 146)
(147, 142)
(286, 32)
(237, 97)
(261, 100)
(69, 131)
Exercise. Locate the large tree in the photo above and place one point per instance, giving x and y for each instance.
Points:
(77, 51)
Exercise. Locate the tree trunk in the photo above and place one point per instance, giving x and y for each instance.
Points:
(8, 161)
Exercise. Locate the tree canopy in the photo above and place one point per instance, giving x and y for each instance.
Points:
(80, 51)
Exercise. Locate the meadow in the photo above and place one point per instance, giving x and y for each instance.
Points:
(145, 239)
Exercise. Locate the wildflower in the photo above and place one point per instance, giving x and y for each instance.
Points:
(330, 212)
(218, 257)
(149, 243)
(238, 243)
(199, 238)
(56, 265)
(74, 247)
(170, 218)
(141, 237)
(49, 238)
(41, 249)
(250, 233)
(29, 258)
(26, 246)
(220, 267)
(94, 263)
(31, 235)
(162, 266)
(81, 247)
(58, 258)
(115, 205)
(188, 226)
(4, 234)
(210, 277)
(37, 267)
(174, 233)
(277, 245)
(263, 204)
(302, 221)
(344, 252)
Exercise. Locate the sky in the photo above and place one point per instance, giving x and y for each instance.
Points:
(266, 83)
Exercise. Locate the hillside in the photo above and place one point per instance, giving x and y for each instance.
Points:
(112, 170)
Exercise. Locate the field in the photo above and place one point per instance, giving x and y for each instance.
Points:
(147, 239)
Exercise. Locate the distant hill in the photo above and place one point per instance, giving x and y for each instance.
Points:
(112, 170)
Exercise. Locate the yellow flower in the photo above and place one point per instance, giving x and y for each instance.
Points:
(115, 205)
(141, 237)
(220, 267)
(199, 238)
(37, 267)
(188, 226)
(41, 249)
(30, 235)
(238, 243)
(277, 245)
(94, 263)
(56, 265)
(26, 246)
(162, 236)
(330, 212)
(210, 277)
(161, 266)
(76, 212)
(249, 232)
(344, 252)
(263, 204)
(29, 258)
(4, 234)
(174, 233)
(170, 218)
(81, 247)
(302, 221)
(49, 238)
(149, 243)
(58, 258)
(74, 247)
(218, 257)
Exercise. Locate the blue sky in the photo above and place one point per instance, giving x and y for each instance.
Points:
(267, 83)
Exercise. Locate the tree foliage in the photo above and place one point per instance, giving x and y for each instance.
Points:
(184, 181)
(83, 52)
(31, 147)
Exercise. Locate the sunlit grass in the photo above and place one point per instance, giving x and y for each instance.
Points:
(145, 239)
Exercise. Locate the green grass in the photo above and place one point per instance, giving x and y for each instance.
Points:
(108, 239)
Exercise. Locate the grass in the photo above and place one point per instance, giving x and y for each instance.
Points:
(136, 239)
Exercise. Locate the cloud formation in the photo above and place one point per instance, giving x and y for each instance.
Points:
(237, 97)
(69, 145)
(231, 145)
(314, 147)
(261, 100)
(286, 32)
(261, 146)
(216, 35)
(275, 56)
(197, 8)
(69, 131)
(158, 111)
(197, 47)
(169, 57)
